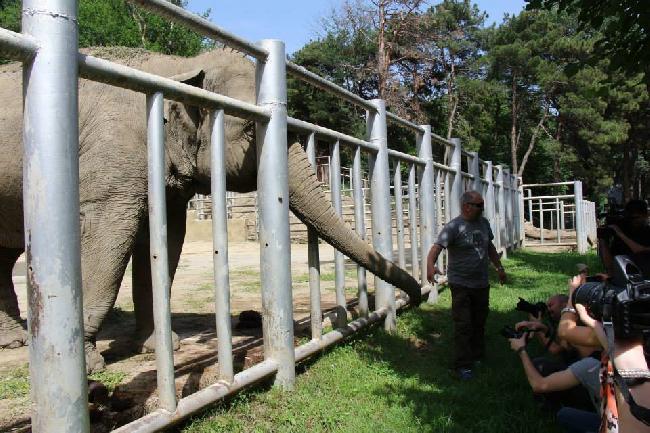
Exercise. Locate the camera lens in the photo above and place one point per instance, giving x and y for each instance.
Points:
(590, 295)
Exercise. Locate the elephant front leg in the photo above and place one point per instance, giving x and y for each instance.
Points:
(141, 278)
(12, 333)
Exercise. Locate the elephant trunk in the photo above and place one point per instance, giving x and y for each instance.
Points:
(309, 203)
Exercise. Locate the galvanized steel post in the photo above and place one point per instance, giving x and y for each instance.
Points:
(520, 196)
(457, 183)
(360, 227)
(273, 203)
(501, 212)
(413, 222)
(507, 190)
(51, 204)
(380, 191)
(313, 258)
(160, 280)
(490, 204)
(220, 247)
(428, 206)
(581, 233)
(339, 260)
(475, 171)
(399, 214)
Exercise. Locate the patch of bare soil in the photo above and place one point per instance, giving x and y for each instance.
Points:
(192, 304)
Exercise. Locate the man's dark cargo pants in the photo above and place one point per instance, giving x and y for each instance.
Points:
(469, 310)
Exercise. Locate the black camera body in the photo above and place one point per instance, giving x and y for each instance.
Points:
(510, 332)
(614, 216)
(624, 300)
(537, 310)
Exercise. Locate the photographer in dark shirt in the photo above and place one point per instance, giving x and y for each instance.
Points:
(629, 237)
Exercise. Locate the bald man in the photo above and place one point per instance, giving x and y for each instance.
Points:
(468, 240)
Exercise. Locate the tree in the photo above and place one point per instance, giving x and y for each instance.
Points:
(624, 27)
(118, 23)
(450, 44)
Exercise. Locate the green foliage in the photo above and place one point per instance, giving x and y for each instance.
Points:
(379, 382)
(118, 23)
(624, 27)
(15, 383)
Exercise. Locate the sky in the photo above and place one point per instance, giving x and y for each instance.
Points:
(296, 22)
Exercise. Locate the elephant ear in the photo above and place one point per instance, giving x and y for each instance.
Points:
(193, 78)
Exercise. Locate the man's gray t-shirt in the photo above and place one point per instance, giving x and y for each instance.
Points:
(467, 246)
(587, 371)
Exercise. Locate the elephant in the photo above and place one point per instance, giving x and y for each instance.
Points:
(113, 184)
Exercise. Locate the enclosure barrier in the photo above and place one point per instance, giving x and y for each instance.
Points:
(48, 47)
(572, 218)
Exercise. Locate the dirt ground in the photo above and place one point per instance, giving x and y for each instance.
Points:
(192, 307)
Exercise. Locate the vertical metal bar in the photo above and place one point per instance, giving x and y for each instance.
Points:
(399, 214)
(562, 215)
(507, 195)
(457, 183)
(160, 280)
(273, 203)
(413, 222)
(501, 215)
(581, 234)
(490, 203)
(220, 246)
(339, 260)
(557, 219)
(428, 205)
(475, 171)
(313, 258)
(530, 205)
(51, 205)
(541, 221)
(380, 191)
(520, 196)
(360, 227)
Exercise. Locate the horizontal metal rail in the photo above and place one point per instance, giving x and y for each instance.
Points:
(529, 185)
(403, 122)
(306, 127)
(542, 197)
(202, 26)
(118, 75)
(406, 157)
(17, 46)
(160, 419)
(326, 85)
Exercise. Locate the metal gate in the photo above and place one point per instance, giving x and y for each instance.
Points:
(48, 48)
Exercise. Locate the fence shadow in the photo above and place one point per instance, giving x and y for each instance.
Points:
(498, 397)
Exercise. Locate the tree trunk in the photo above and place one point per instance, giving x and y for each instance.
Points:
(531, 145)
(513, 129)
(626, 171)
(452, 100)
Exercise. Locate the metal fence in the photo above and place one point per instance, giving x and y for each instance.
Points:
(48, 47)
(563, 219)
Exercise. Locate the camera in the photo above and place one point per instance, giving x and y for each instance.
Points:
(536, 310)
(624, 300)
(509, 332)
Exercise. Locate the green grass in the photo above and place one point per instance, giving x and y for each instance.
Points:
(377, 382)
(15, 383)
(110, 379)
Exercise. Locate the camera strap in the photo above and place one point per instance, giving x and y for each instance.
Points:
(640, 412)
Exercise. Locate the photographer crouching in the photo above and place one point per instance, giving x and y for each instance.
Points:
(616, 315)
(626, 234)
(613, 314)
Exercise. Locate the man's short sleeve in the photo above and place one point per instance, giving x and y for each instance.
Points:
(447, 234)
